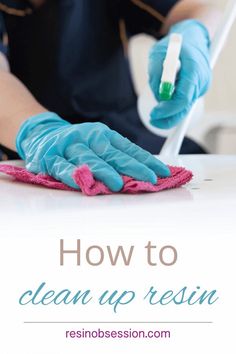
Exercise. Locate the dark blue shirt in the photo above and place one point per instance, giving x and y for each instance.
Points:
(71, 56)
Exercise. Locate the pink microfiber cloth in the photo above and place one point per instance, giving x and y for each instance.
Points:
(89, 186)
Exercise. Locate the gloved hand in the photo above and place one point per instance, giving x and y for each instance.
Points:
(193, 79)
(50, 145)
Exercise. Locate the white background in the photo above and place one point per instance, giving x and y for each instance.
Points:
(198, 219)
(203, 260)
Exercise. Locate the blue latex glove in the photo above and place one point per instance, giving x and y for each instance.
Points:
(50, 145)
(193, 78)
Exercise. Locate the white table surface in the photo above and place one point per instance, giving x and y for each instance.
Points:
(209, 200)
(199, 220)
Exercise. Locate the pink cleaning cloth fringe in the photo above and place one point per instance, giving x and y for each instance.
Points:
(89, 186)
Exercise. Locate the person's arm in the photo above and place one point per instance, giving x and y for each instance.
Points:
(201, 10)
(16, 104)
(196, 21)
(50, 145)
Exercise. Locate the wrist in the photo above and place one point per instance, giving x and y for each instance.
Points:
(38, 125)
